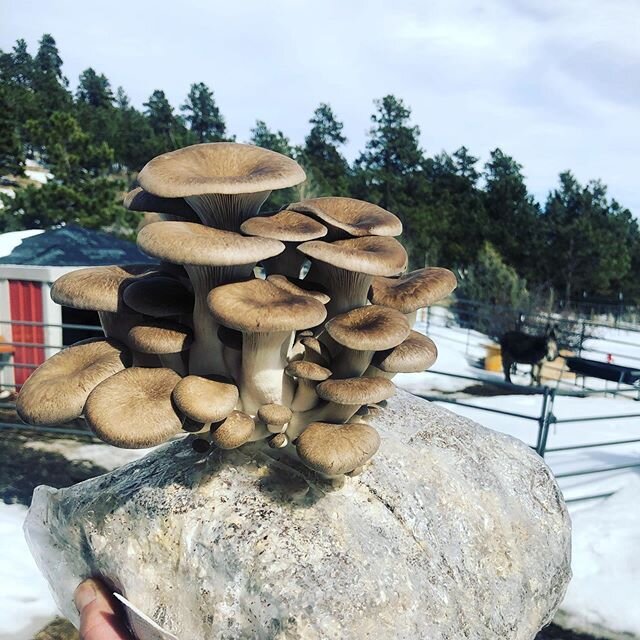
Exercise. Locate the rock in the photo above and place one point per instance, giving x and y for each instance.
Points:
(453, 531)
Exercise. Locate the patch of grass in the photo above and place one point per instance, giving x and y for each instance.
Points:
(58, 629)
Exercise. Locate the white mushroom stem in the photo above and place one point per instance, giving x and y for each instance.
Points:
(288, 263)
(348, 289)
(326, 412)
(262, 379)
(350, 363)
(227, 211)
(412, 317)
(305, 397)
(206, 354)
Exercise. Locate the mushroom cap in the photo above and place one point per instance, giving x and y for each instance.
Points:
(133, 408)
(191, 243)
(234, 431)
(315, 351)
(336, 449)
(57, 390)
(160, 337)
(414, 354)
(356, 217)
(413, 290)
(257, 306)
(97, 288)
(203, 399)
(370, 328)
(300, 287)
(287, 226)
(140, 200)
(307, 370)
(373, 255)
(278, 441)
(219, 167)
(158, 296)
(355, 390)
(276, 414)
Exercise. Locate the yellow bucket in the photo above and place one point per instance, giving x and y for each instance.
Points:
(493, 359)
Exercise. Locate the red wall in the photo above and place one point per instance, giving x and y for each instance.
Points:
(25, 299)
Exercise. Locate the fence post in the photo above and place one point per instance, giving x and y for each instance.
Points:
(546, 418)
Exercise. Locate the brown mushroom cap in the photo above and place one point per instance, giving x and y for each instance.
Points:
(315, 351)
(413, 290)
(307, 370)
(355, 390)
(97, 288)
(160, 337)
(56, 391)
(257, 306)
(372, 255)
(334, 449)
(356, 217)
(158, 296)
(140, 200)
(205, 400)
(133, 408)
(370, 328)
(414, 354)
(275, 414)
(300, 287)
(233, 432)
(195, 244)
(219, 167)
(287, 226)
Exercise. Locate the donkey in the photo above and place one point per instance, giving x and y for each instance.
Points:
(518, 347)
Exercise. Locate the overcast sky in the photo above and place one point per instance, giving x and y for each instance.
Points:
(555, 83)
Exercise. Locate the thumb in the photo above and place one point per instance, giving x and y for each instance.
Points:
(99, 619)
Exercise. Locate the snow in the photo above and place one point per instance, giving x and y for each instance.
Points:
(10, 240)
(25, 601)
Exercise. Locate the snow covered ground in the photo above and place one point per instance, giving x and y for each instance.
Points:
(605, 589)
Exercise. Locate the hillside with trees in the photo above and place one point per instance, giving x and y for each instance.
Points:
(579, 243)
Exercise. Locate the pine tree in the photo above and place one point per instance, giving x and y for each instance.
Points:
(94, 90)
(321, 156)
(203, 115)
(262, 136)
(49, 82)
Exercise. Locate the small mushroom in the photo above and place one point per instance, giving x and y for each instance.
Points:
(416, 353)
(413, 290)
(133, 410)
(224, 182)
(57, 390)
(236, 430)
(343, 399)
(336, 449)
(361, 332)
(163, 338)
(275, 416)
(350, 217)
(167, 208)
(159, 297)
(347, 267)
(204, 400)
(278, 441)
(308, 374)
(267, 316)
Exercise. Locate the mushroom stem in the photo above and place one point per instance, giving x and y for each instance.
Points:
(227, 211)
(288, 263)
(412, 317)
(206, 355)
(374, 372)
(305, 397)
(348, 289)
(175, 361)
(326, 412)
(262, 379)
(350, 363)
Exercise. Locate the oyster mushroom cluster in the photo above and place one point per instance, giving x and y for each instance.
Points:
(283, 327)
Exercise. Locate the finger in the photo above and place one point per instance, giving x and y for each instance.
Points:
(98, 617)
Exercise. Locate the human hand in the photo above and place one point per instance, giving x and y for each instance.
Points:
(99, 617)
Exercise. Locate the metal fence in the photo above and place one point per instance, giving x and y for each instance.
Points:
(545, 418)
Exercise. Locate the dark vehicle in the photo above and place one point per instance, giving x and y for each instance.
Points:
(521, 348)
